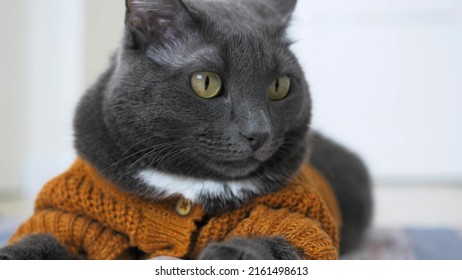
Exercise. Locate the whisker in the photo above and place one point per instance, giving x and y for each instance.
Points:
(132, 155)
(156, 149)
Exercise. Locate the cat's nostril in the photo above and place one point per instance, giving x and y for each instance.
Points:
(253, 143)
(257, 139)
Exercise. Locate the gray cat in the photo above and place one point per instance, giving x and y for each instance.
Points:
(187, 95)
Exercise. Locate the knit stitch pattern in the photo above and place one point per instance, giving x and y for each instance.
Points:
(94, 219)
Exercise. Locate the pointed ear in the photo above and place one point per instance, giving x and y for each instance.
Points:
(284, 8)
(148, 21)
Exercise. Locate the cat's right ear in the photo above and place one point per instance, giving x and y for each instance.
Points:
(283, 8)
(154, 21)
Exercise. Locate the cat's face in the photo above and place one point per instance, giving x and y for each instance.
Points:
(209, 90)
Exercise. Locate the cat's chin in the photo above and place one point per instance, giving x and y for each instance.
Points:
(234, 170)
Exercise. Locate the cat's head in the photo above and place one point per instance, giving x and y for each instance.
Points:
(204, 99)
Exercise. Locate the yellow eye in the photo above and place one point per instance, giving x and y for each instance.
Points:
(206, 84)
(279, 89)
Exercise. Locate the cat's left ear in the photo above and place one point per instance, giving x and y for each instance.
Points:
(151, 21)
(283, 8)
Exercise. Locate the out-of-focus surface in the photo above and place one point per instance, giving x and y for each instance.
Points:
(385, 77)
(13, 66)
(411, 244)
(51, 52)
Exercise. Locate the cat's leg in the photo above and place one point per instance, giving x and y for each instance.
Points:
(36, 247)
(352, 185)
(251, 249)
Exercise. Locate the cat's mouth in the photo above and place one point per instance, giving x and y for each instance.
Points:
(237, 166)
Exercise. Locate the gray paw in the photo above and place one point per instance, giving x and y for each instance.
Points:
(4, 257)
(36, 247)
(251, 249)
(229, 251)
(282, 250)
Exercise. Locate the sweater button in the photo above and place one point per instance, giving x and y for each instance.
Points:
(183, 207)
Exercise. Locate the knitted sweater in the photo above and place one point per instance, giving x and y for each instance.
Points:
(92, 218)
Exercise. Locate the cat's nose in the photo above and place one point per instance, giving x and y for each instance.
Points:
(255, 125)
(256, 138)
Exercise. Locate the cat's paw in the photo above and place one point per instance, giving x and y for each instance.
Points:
(251, 249)
(5, 257)
(36, 247)
(282, 250)
(7, 254)
(230, 251)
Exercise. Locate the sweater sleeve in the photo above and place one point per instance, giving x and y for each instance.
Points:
(79, 234)
(303, 233)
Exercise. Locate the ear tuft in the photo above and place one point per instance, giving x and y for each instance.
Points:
(148, 21)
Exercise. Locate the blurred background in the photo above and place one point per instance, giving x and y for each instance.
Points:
(385, 75)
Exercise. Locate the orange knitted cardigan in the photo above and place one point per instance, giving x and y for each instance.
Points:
(92, 218)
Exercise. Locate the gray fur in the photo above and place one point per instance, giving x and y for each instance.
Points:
(352, 185)
(36, 247)
(142, 114)
(251, 249)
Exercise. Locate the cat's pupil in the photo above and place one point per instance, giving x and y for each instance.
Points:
(277, 85)
(207, 83)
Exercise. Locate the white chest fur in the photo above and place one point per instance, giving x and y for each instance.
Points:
(193, 189)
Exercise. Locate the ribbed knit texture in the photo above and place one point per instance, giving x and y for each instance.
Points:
(93, 218)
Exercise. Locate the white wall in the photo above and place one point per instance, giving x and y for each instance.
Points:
(13, 63)
(385, 77)
(104, 24)
(54, 83)
(386, 80)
